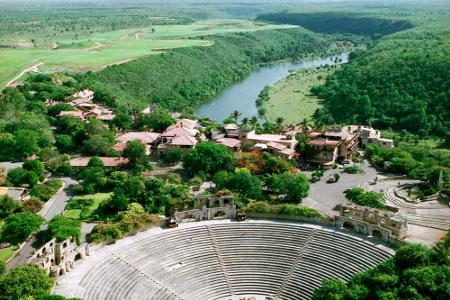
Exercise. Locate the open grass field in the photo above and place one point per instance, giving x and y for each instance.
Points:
(98, 50)
(74, 213)
(291, 99)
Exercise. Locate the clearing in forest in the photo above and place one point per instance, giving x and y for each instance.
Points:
(291, 99)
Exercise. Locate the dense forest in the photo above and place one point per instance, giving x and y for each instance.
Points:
(402, 82)
(340, 22)
(182, 78)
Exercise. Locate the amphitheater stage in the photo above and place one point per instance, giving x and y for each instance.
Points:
(221, 260)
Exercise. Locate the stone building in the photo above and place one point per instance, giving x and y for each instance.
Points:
(208, 208)
(331, 145)
(59, 258)
(387, 225)
(369, 135)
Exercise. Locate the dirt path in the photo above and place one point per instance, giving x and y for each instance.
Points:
(33, 68)
(54, 46)
(136, 35)
(97, 46)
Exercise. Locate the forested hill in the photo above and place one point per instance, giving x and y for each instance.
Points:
(185, 77)
(340, 22)
(403, 82)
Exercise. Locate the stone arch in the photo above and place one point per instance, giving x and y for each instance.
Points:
(189, 216)
(61, 272)
(348, 225)
(377, 234)
(220, 214)
(78, 256)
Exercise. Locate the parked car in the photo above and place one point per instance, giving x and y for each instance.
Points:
(346, 162)
(314, 179)
(331, 180)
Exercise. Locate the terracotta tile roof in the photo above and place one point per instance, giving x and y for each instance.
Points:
(83, 161)
(230, 143)
(106, 117)
(276, 146)
(267, 137)
(71, 113)
(323, 142)
(183, 141)
(179, 131)
(146, 137)
(231, 126)
(187, 123)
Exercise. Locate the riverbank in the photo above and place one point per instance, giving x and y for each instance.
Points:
(181, 79)
(242, 95)
(291, 99)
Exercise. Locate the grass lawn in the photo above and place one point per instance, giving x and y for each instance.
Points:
(6, 253)
(291, 99)
(102, 49)
(74, 213)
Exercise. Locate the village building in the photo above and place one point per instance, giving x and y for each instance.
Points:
(182, 134)
(231, 143)
(149, 109)
(72, 113)
(108, 162)
(100, 113)
(82, 96)
(277, 144)
(231, 131)
(331, 146)
(148, 138)
(369, 135)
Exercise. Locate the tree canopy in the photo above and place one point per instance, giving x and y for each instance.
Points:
(208, 158)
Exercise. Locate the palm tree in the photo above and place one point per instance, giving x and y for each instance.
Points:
(235, 115)
(245, 121)
(254, 122)
(279, 121)
(305, 125)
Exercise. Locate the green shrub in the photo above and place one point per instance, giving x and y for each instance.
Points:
(296, 210)
(19, 226)
(79, 203)
(104, 232)
(353, 170)
(25, 282)
(318, 173)
(366, 198)
(261, 207)
(62, 228)
(46, 190)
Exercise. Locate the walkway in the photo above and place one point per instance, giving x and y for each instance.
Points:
(54, 207)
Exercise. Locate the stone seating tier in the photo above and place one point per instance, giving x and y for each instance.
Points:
(218, 261)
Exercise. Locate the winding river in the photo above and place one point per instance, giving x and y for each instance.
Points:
(242, 95)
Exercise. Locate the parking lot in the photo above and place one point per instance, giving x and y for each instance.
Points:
(326, 196)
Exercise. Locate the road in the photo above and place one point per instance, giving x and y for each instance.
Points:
(326, 196)
(55, 206)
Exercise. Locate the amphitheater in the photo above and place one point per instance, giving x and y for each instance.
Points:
(221, 260)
